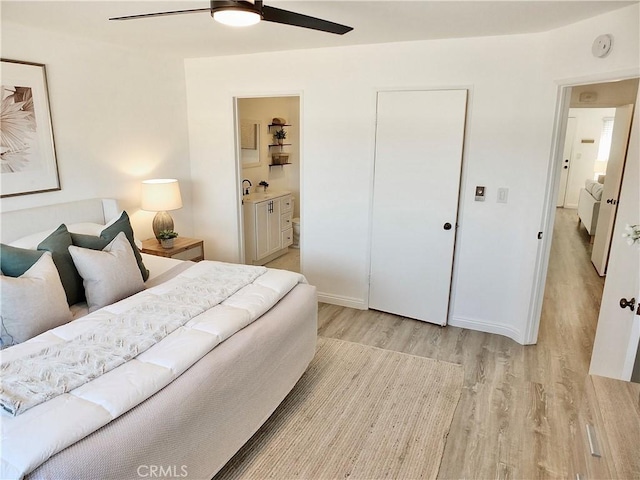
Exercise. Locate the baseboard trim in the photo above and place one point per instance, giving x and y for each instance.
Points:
(482, 326)
(342, 301)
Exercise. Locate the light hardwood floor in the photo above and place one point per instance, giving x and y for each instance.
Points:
(289, 261)
(522, 409)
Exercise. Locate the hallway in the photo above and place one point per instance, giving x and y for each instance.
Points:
(572, 295)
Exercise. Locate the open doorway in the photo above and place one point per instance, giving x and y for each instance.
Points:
(591, 172)
(268, 156)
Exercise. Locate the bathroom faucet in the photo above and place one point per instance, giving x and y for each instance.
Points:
(245, 191)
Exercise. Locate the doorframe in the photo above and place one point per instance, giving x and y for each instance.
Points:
(547, 221)
(238, 161)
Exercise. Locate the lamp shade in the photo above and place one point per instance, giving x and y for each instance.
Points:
(160, 195)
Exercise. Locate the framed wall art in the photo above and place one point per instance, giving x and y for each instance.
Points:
(250, 143)
(27, 152)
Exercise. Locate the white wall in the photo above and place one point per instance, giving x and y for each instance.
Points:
(589, 122)
(513, 93)
(119, 117)
(338, 128)
(264, 110)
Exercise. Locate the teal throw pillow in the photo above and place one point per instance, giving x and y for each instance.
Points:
(123, 224)
(15, 261)
(58, 244)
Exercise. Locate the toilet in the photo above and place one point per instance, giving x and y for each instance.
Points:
(296, 233)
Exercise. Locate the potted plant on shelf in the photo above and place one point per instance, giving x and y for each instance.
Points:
(166, 238)
(280, 135)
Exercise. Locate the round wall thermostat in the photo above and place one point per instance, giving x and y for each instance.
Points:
(601, 46)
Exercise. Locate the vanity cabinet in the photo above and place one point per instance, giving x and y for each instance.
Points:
(268, 230)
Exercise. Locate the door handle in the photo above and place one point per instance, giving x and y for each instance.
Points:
(624, 303)
(447, 226)
(611, 201)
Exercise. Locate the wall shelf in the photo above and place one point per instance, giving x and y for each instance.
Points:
(282, 158)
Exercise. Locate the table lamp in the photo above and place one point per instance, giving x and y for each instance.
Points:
(160, 195)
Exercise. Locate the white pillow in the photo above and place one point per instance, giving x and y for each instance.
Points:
(588, 185)
(32, 303)
(86, 228)
(108, 275)
(114, 219)
(31, 242)
(596, 191)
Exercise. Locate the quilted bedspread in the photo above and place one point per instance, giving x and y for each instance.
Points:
(74, 379)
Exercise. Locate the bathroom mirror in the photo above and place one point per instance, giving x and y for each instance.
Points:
(250, 143)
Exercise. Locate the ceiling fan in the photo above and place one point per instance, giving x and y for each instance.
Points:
(250, 12)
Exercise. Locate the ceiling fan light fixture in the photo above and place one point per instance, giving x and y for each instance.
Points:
(236, 17)
(242, 13)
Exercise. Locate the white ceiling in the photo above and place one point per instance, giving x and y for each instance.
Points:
(197, 35)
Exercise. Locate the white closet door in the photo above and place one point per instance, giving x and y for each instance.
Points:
(419, 140)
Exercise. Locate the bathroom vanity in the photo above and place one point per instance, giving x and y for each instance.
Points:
(268, 230)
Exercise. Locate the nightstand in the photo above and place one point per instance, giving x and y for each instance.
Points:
(184, 248)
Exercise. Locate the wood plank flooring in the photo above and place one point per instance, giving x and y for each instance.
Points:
(520, 411)
(289, 261)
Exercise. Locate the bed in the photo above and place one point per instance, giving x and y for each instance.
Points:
(194, 424)
(589, 206)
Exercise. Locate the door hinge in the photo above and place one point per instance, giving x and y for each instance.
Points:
(539, 235)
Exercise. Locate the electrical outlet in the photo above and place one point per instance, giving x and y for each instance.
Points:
(503, 195)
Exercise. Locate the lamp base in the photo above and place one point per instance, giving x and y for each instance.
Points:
(162, 221)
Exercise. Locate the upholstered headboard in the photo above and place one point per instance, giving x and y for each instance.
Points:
(20, 223)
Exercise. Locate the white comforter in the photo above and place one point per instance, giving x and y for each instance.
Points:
(32, 437)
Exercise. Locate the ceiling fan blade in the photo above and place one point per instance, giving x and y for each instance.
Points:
(161, 14)
(277, 15)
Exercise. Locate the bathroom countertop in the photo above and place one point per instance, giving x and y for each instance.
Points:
(262, 196)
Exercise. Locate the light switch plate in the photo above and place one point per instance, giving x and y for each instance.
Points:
(480, 191)
(503, 195)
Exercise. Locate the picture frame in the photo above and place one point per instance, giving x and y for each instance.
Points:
(28, 161)
(250, 149)
(248, 136)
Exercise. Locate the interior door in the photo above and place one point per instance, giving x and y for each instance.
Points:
(611, 189)
(418, 158)
(566, 160)
(618, 332)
